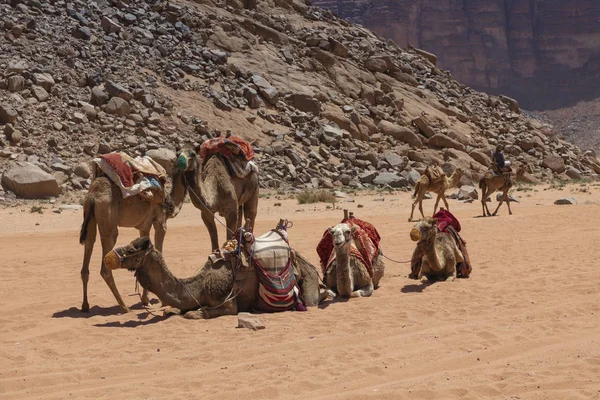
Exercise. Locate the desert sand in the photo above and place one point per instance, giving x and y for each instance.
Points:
(525, 325)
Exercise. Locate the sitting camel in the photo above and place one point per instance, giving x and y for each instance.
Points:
(348, 275)
(215, 290)
(438, 252)
(490, 182)
(105, 207)
(424, 185)
(213, 190)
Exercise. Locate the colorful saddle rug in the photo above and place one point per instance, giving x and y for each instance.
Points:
(237, 153)
(366, 245)
(278, 287)
(446, 224)
(133, 175)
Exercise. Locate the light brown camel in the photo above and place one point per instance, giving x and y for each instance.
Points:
(438, 187)
(349, 277)
(211, 292)
(491, 182)
(213, 190)
(439, 252)
(105, 208)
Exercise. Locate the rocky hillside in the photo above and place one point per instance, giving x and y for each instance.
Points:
(545, 53)
(327, 104)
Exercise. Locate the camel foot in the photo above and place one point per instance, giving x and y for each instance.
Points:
(509, 213)
(171, 311)
(85, 307)
(145, 299)
(125, 310)
(450, 279)
(424, 279)
(196, 314)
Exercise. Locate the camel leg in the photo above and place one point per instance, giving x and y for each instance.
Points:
(227, 308)
(364, 291)
(231, 220)
(160, 230)
(437, 202)
(87, 255)
(445, 202)
(108, 236)
(209, 221)
(251, 209)
(508, 203)
(421, 208)
(412, 211)
(499, 204)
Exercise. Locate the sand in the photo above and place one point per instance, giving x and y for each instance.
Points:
(525, 325)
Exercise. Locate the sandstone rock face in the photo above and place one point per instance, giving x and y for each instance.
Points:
(30, 181)
(515, 47)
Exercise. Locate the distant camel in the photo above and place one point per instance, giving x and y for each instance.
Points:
(439, 187)
(490, 182)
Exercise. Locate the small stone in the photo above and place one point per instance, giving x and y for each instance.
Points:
(16, 83)
(40, 93)
(566, 201)
(83, 170)
(44, 80)
(118, 106)
(249, 321)
(7, 114)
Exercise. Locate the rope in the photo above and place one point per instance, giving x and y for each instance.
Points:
(189, 188)
(394, 261)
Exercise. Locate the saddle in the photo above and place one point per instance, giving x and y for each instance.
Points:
(434, 173)
(235, 151)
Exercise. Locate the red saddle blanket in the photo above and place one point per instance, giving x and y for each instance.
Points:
(367, 244)
(228, 147)
(121, 167)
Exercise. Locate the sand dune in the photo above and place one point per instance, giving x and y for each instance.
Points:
(526, 325)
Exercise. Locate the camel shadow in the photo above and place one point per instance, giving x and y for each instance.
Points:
(415, 288)
(134, 323)
(75, 312)
(337, 299)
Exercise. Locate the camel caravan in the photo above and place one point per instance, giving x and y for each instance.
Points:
(250, 273)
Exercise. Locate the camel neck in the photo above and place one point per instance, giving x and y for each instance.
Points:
(178, 192)
(431, 253)
(344, 280)
(156, 277)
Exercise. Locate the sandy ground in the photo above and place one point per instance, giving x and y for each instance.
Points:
(526, 325)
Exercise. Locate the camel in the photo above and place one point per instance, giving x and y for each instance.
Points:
(491, 182)
(349, 276)
(211, 292)
(105, 208)
(438, 251)
(213, 190)
(439, 187)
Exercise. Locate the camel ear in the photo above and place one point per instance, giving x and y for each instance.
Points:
(330, 230)
(353, 229)
(145, 243)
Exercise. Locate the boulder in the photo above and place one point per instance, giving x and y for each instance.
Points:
(16, 83)
(555, 163)
(389, 178)
(376, 64)
(467, 192)
(443, 141)
(116, 90)
(118, 106)
(401, 133)
(40, 93)
(423, 127)
(306, 103)
(165, 157)
(83, 170)
(44, 80)
(511, 198)
(30, 181)
(7, 114)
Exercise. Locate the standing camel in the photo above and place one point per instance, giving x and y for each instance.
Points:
(349, 277)
(213, 190)
(424, 185)
(491, 182)
(105, 208)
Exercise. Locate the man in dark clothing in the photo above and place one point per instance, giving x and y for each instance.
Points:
(499, 158)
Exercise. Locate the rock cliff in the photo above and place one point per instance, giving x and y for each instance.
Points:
(545, 53)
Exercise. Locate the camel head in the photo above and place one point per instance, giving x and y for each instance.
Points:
(130, 256)
(188, 157)
(341, 233)
(423, 230)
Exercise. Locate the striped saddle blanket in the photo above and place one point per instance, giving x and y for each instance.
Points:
(278, 288)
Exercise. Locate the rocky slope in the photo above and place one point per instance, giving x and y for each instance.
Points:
(545, 53)
(327, 104)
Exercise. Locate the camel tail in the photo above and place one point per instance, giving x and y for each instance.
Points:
(88, 214)
(416, 190)
(482, 184)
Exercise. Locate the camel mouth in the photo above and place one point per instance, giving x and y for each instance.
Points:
(415, 235)
(112, 260)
